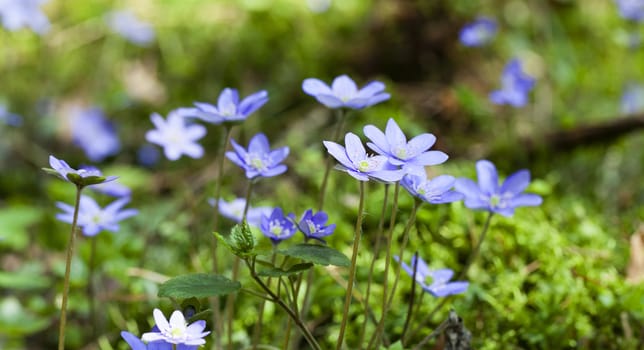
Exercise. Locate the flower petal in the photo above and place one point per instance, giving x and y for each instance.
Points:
(354, 148)
(339, 153)
(253, 102)
(395, 136)
(344, 88)
(259, 144)
(525, 200)
(371, 89)
(378, 140)
(160, 321)
(487, 176)
(516, 183)
(315, 87)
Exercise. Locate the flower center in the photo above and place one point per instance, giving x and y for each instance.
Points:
(401, 152)
(312, 226)
(256, 162)
(178, 331)
(364, 165)
(276, 228)
(495, 200)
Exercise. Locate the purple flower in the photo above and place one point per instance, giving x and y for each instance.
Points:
(515, 86)
(632, 99)
(434, 191)
(259, 160)
(127, 25)
(355, 161)
(80, 177)
(479, 32)
(16, 14)
(9, 118)
(95, 134)
(234, 210)
(278, 227)
(344, 93)
(176, 330)
(487, 195)
(92, 218)
(147, 155)
(112, 188)
(412, 156)
(440, 285)
(631, 9)
(313, 226)
(175, 136)
(229, 109)
(137, 344)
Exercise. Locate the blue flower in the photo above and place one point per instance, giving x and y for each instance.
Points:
(9, 118)
(278, 227)
(137, 344)
(112, 188)
(127, 25)
(631, 9)
(81, 177)
(259, 160)
(176, 330)
(313, 226)
(234, 210)
(95, 134)
(16, 14)
(515, 86)
(175, 136)
(344, 93)
(632, 99)
(412, 156)
(440, 285)
(479, 32)
(147, 155)
(488, 195)
(355, 161)
(434, 191)
(94, 219)
(229, 109)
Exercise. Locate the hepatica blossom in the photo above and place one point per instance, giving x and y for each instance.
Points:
(412, 156)
(631, 9)
(314, 225)
(488, 195)
(479, 32)
(435, 191)
(515, 86)
(95, 134)
(278, 227)
(176, 136)
(94, 219)
(259, 160)
(229, 108)
(137, 344)
(234, 210)
(16, 14)
(176, 330)
(9, 118)
(127, 25)
(354, 160)
(344, 92)
(81, 177)
(440, 285)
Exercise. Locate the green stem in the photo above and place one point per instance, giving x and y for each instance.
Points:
(352, 268)
(90, 286)
(410, 309)
(476, 250)
(277, 300)
(372, 266)
(257, 332)
(375, 340)
(329, 159)
(68, 264)
(216, 314)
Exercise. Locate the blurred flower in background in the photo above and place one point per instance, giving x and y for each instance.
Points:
(127, 25)
(259, 160)
(440, 285)
(479, 32)
(229, 109)
(318, 6)
(515, 86)
(175, 136)
(314, 226)
(344, 92)
(16, 14)
(435, 191)
(234, 210)
(112, 189)
(148, 155)
(95, 134)
(631, 9)
(278, 226)
(94, 219)
(632, 99)
(9, 118)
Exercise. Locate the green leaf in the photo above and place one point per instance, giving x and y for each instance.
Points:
(277, 272)
(198, 285)
(317, 254)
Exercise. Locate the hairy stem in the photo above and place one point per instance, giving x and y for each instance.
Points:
(68, 265)
(410, 309)
(476, 250)
(352, 268)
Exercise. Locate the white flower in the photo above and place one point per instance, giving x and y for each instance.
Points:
(177, 330)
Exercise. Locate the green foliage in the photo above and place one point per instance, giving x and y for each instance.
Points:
(198, 285)
(277, 272)
(317, 254)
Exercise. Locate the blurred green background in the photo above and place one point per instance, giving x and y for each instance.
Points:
(551, 277)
